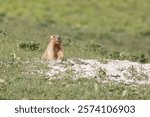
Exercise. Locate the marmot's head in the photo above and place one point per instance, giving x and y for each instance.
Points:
(56, 39)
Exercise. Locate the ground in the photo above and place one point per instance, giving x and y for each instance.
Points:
(112, 70)
(106, 32)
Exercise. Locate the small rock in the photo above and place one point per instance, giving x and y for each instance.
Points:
(2, 81)
(50, 83)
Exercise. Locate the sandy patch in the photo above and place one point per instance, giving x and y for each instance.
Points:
(116, 70)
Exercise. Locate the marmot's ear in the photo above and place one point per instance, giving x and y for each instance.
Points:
(51, 36)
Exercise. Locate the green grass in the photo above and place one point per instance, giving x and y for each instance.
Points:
(96, 29)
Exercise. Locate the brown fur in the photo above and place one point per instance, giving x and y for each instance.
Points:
(54, 49)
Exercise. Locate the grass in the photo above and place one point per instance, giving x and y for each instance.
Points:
(96, 29)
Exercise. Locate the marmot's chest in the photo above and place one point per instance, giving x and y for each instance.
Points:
(56, 50)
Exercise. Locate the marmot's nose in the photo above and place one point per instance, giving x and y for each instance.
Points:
(58, 37)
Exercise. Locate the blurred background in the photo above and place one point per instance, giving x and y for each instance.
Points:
(111, 29)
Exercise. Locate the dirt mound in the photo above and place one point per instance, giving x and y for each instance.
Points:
(114, 70)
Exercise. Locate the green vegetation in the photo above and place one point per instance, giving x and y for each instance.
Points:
(95, 29)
